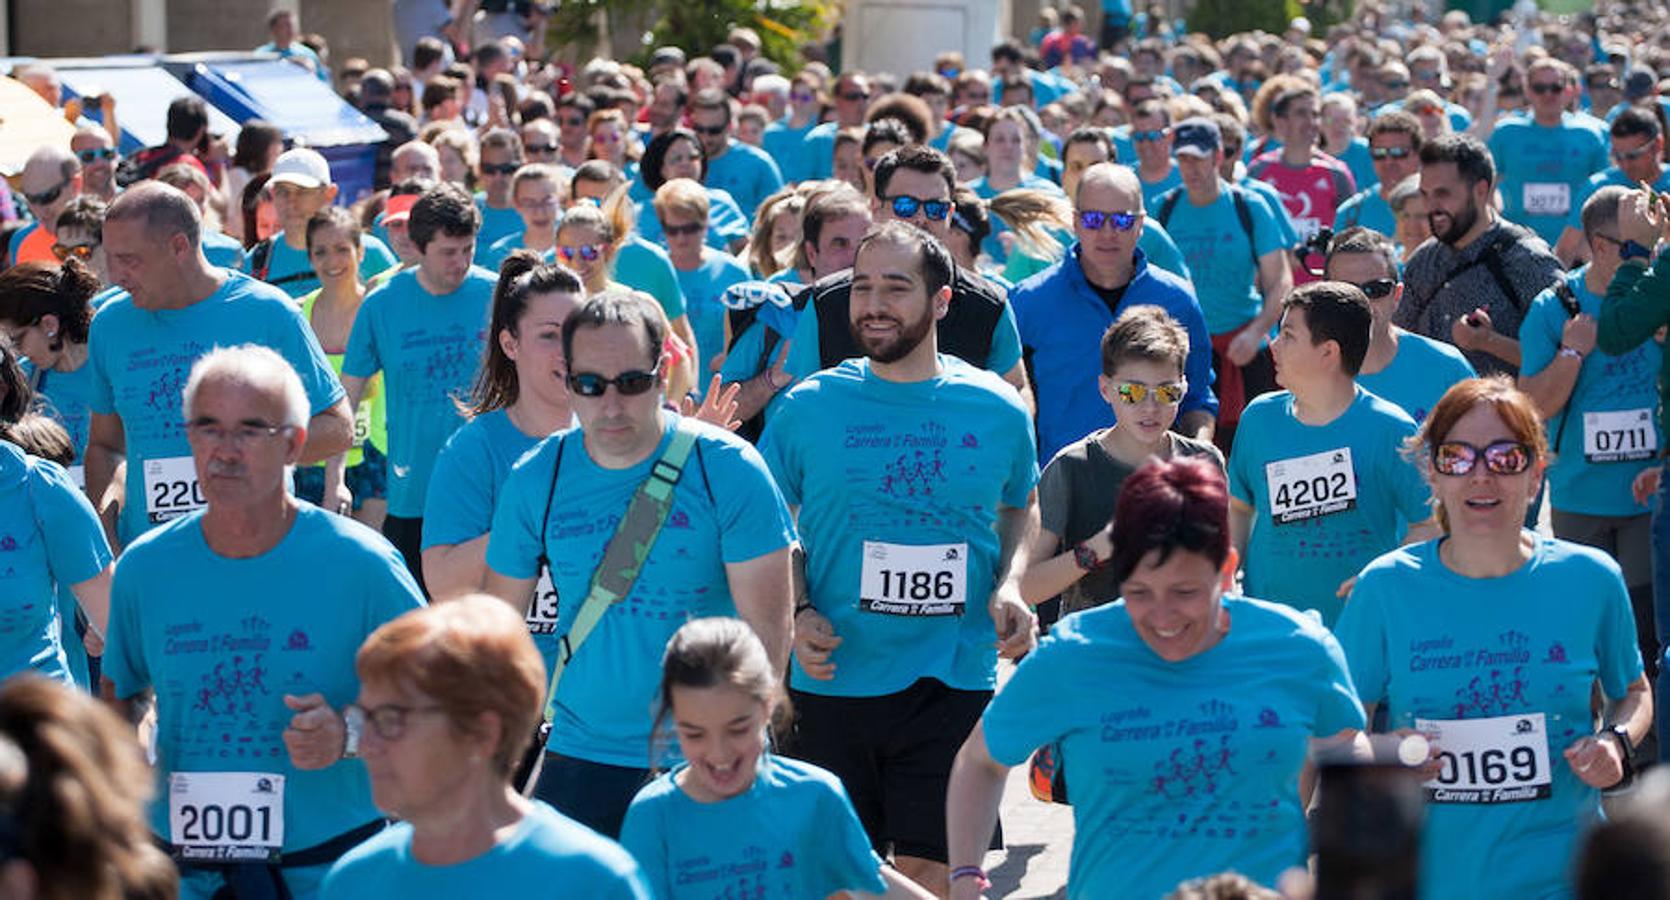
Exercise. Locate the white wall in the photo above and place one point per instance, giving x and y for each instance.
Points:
(903, 36)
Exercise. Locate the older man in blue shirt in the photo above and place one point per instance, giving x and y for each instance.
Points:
(1063, 310)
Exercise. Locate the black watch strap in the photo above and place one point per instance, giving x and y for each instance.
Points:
(1628, 748)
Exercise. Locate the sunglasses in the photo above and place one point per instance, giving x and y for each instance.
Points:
(1143, 137)
(605, 139)
(905, 207)
(95, 154)
(1094, 219)
(571, 122)
(501, 169)
(1380, 153)
(1394, 85)
(540, 149)
(630, 384)
(683, 230)
(82, 252)
(1378, 288)
(1427, 74)
(799, 97)
(1502, 457)
(710, 130)
(1169, 393)
(853, 98)
(47, 196)
(587, 252)
(1547, 87)
(1624, 156)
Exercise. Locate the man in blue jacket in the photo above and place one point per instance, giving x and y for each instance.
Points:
(1063, 310)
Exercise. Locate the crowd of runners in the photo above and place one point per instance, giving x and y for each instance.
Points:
(641, 490)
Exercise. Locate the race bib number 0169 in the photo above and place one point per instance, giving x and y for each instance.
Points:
(902, 580)
(232, 816)
(1306, 487)
(171, 488)
(1503, 759)
(542, 608)
(1627, 435)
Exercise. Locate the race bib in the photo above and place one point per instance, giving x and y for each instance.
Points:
(902, 580)
(1306, 487)
(78, 476)
(1623, 436)
(1497, 760)
(171, 488)
(1307, 226)
(1547, 199)
(362, 424)
(542, 608)
(226, 815)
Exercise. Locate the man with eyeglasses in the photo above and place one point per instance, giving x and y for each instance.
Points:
(1063, 311)
(1637, 159)
(536, 194)
(1394, 146)
(852, 100)
(243, 620)
(913, 475)
(1598, 409)
(746, 172)
(301, 185)
(572, 111)
(1545, 159)
(681, 206)
(722, 550)
(1151, 136)
(1408, 369)
(424, 329)
(142, 346)
(501, 156)
(98, 158)
(540, 142)
(666, 106)
(1319, 485)
(914, 184)
(51, 178)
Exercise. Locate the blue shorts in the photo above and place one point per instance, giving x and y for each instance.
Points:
(366, 481)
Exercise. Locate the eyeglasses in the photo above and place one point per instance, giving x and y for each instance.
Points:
(540, 149)
(1094, 219)
(82, 252)
(388, 720)
(1624, 156)
(605, 138)
(1427, 74)
(1383, 153)
(683, 230)
(1166, 393)
(208, 431)
(571, 121)
(905, 207)
(630, 384)
(500, 169)
(1143, 137)
(710, 130)
(45, 197)
(1547, 87)
(534, 205)
(95, 154)
(1502, 457)
(1378, 288)
(587, 252)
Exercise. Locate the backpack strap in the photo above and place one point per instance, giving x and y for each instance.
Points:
(261, 258)
(1243, 214)
(1491, 259)
(1168, 205)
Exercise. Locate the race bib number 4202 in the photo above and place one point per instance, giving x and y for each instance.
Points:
(1306, 487)
(904, 580)
(171, 488)
(1503, 759)
(231, 816)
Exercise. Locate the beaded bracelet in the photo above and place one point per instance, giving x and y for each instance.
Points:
(975, 871)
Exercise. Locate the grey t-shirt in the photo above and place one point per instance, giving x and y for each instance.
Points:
(1442, 284)
(1077, 494)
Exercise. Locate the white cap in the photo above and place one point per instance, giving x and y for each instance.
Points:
(302, 167)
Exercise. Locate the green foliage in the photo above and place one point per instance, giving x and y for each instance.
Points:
(1221, 18)
(698, 25)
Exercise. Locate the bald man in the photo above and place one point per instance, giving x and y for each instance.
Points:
(1063, 311)
(51, 179)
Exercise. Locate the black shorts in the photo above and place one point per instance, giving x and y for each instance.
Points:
(406, 534)
(893, 753)
(594, 794)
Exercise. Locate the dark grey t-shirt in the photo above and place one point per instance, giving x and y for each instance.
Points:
(1077, 494)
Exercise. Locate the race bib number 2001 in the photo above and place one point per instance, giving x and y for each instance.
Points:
(903, 580)
(171, 488)
(231, 816)
(1503, 759)
(1306, 487)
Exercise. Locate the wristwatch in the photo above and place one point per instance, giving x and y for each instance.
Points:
(1086, 558)
(353, 725)
(1628, 751)
(1634, 250)
(1568, 351)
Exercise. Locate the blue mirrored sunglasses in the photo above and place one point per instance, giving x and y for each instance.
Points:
(1094, 219)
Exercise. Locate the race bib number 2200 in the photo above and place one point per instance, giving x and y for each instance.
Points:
(171, 488)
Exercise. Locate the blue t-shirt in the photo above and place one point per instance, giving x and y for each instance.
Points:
(785, 145)
(428, 348)
(703, 286)
(817, 151)
(547, 852)
(492, 256)
(50, 538)
(1418, 375)
(1178, 770)
(726, 223)
(1215, 246)
(464, 488)
(222, 640)
(1368, 209)
(1358, 158)
(496, 224)
(142, 358)
(1432, 644)
(291, 271)
(1607, 432)
(1151, 190)
(1543, 171)
(725, 510)
(643, 266)
(1325, 499)
(223, 250)
(792, 834)
(924, 464)
(68, 398)
(1005, 353)
(746, 173)
(1272, 199)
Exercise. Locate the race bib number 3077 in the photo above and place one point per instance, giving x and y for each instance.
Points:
(231, 816)
(1503, 759)
(1306, 487)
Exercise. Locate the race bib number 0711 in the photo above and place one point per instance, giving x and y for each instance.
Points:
(903, 580)
(1627, 435)
(1306, 487)
(230, 816)
(1503, 759)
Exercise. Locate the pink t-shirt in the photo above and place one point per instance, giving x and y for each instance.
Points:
(1312, 194)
